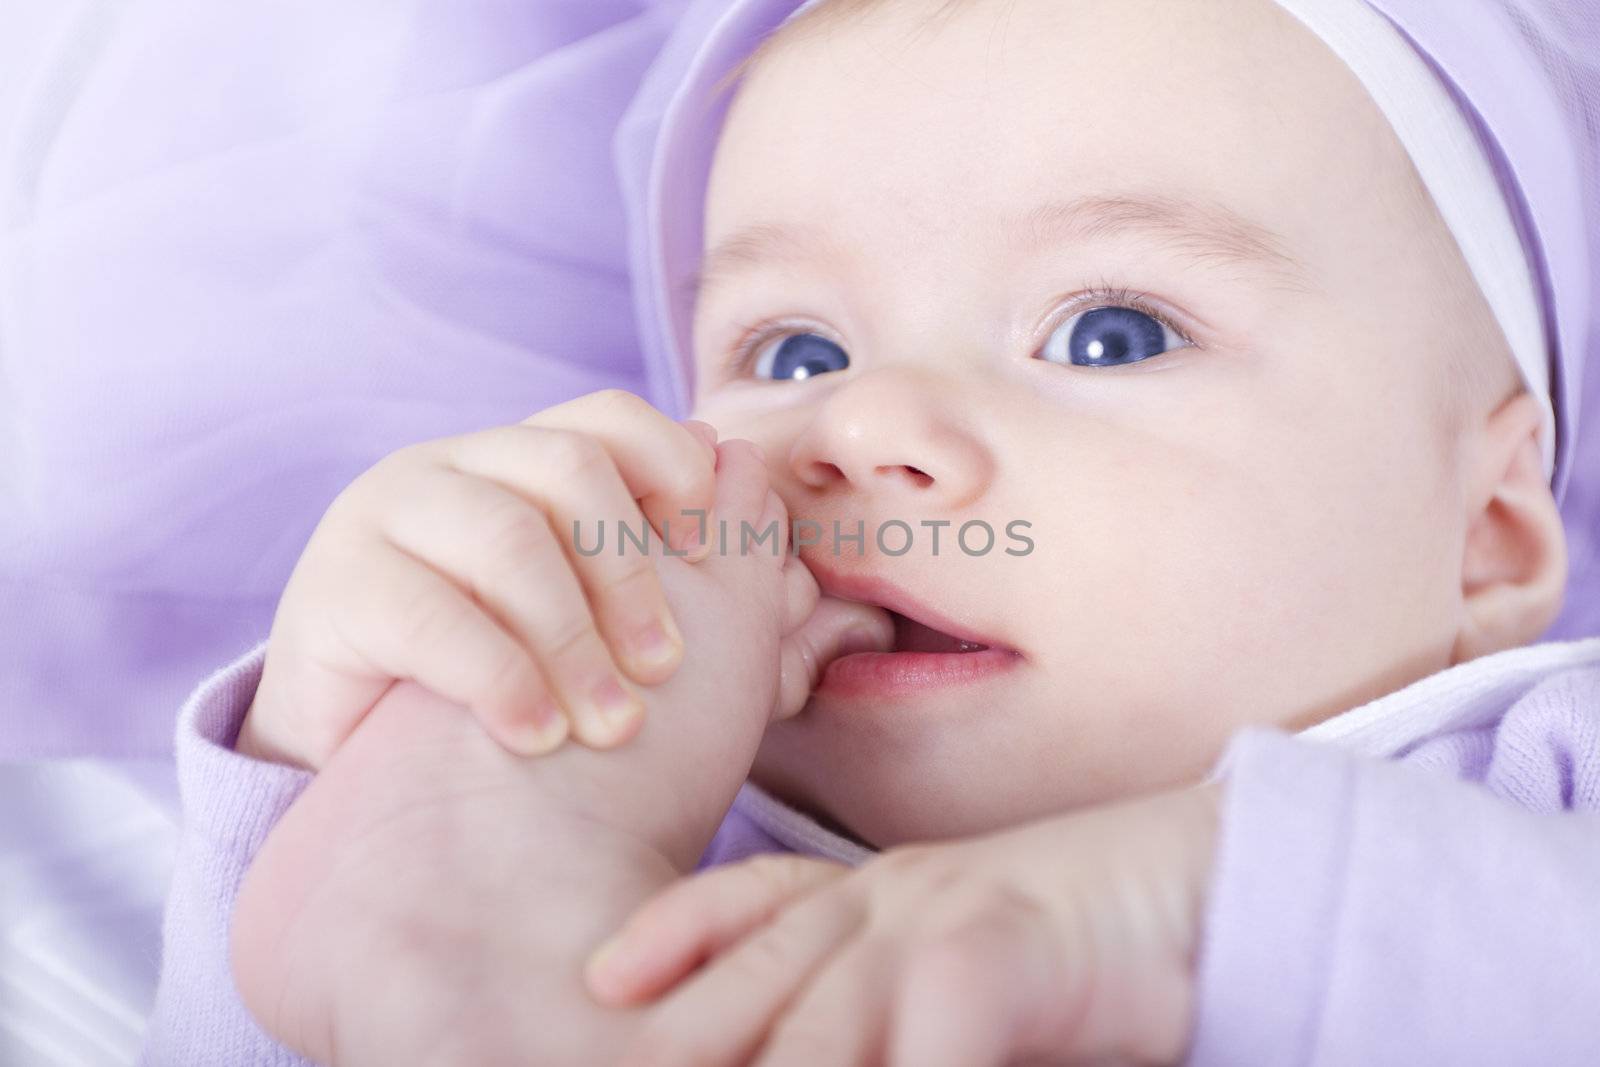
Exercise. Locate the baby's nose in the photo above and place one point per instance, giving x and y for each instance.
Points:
(896, 431)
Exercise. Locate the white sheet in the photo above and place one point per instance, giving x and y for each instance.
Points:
(86, 851)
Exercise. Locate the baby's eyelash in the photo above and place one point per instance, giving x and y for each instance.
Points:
(753, 336)
(1107, 295)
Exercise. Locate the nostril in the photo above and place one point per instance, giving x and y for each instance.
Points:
(824, 473)
(916, 477)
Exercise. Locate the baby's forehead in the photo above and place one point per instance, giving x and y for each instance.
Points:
(1247, 40)
(1227, 113)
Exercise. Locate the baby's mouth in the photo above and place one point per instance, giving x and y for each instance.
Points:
(919, 628)
(921, 661)
(913, 636)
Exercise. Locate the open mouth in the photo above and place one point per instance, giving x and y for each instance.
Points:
(926, 657)
(921, 662)
(921, 631)
(913, 636)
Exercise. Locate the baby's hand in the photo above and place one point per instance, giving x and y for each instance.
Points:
(1063, 940)
(455, 563)
(758, 636)
(443, 917)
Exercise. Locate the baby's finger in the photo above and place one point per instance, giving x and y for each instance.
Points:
(842, 1015)
(426, 628)
(836, 628)
(707, 435)
(719, 1015)
(694, 919)
(579, 488)
(742, 487)
(982, 992)
(665, 465)
(502, 548)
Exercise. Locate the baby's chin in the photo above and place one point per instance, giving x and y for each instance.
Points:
(877, 814)
(957, 768)
(879, 810)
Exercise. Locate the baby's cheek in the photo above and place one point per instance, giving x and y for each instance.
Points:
(1232, 604)
(1330, 604)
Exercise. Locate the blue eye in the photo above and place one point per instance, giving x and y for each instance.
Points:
(1110, 337)
(799, 356)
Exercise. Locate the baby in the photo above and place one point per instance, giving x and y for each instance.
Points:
(1132, 389)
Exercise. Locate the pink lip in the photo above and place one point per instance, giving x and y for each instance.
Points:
(890, 674)
(886, 674)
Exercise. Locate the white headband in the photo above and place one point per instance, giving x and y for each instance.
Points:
(1454, 169)
(1456, 172)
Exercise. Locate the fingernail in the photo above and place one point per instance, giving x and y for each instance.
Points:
(607, 963)
(544, 733)
(689, 541)
(703, 430)
(615, 706)
(654, 645)
(694, 546)
(601, 958)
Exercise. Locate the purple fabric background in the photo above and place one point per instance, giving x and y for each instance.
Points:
(267, 245)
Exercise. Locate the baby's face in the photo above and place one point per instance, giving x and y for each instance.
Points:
(1153, 277)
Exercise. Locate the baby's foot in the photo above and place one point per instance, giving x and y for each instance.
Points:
(431, 898)
(424, 902)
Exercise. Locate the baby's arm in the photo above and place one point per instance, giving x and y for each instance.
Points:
(233, 802)
(1363, 912)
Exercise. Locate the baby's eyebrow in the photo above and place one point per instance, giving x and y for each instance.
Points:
(753, 246)
(1207, 232)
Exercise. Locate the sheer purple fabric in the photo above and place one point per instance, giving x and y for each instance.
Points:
(247, 251)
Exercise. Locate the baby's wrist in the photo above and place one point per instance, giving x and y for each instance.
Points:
(255, 742)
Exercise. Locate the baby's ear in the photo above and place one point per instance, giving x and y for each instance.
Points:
(1514, 568)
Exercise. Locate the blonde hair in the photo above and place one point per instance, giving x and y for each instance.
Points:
(826, 15)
